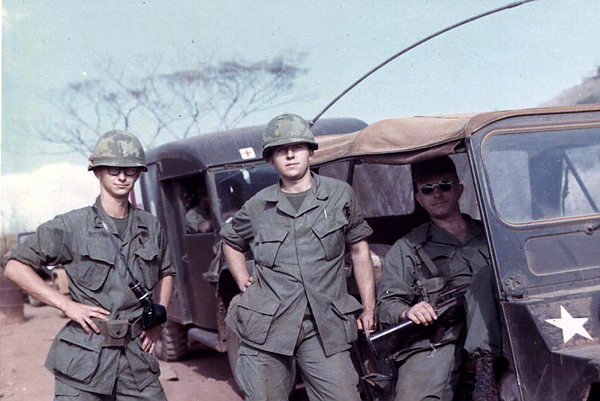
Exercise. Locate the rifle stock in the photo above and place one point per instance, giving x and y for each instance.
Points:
(386, 341)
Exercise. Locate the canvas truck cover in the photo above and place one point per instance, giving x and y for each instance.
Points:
(406, 140)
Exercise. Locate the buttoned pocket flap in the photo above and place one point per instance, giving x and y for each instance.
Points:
(347, 305)
(93, 269)
(77, 358)
(101, 250)
(255, 318)
(331, 234)
(268, 243)
(325, 226)
(147, 252)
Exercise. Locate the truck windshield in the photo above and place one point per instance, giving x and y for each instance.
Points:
(235, 186)
(544, 175)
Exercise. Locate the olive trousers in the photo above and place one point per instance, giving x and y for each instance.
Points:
(125, 389)
(432, 374)
(268, 376)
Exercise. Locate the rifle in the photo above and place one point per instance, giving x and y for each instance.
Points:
(446, 307)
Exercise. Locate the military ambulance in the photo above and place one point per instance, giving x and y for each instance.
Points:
(193, 186)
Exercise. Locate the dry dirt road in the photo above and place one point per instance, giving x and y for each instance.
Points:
(23, 348)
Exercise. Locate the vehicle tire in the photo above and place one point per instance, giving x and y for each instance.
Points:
(172, 344)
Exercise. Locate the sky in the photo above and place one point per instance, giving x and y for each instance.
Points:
(518, 58)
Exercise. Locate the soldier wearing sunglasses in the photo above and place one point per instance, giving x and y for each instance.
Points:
(447, 251)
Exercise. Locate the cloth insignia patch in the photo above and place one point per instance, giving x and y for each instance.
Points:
(97, 234)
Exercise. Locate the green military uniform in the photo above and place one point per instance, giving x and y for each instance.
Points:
(429, 371)
(193, 218)
(299, 289)
(97, 277)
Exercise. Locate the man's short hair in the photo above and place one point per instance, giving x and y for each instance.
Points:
(431, 167)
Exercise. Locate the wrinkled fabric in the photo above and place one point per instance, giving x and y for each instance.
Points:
(97, 277)
(479, 333)
(269, 376)
(299, 259)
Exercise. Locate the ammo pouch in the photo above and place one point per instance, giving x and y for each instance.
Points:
(429, 289)
(117, 333)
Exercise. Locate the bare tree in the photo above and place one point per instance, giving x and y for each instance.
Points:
(160, 107)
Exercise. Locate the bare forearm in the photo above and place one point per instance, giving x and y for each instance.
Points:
(237, 266)
(163, 291)
(31, 283)
(363, 273)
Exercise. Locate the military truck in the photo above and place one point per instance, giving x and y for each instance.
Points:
(530, 175)
(533, 177)
(193, 186)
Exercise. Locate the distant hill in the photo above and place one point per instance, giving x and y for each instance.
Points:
(586, 92)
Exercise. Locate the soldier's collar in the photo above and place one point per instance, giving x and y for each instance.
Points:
(272, 192)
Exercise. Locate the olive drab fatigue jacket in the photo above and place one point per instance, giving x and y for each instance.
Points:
(299, 259)
(403, 267)
(78, 241)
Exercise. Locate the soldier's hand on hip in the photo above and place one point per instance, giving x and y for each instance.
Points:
(366, 322)
(247, 283)
(150, 337)
(421, 313)
(83, 315)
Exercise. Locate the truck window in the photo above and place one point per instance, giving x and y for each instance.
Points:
(194, 198)
(236, 186)
(544, 175)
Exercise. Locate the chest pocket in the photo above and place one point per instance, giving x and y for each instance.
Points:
(268, 242)
(330, 233)
(96, 262)
(147, 261)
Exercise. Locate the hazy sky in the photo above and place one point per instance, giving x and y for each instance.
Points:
(518, 58)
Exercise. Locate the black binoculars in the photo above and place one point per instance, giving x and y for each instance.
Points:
(154, 314)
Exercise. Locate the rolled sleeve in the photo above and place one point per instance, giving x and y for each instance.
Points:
(47, 247)
(357, 229)
(397, 289)
(238, 233)
(166, 265)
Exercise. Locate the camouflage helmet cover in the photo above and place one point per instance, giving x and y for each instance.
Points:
(118, 148)
(287, 129)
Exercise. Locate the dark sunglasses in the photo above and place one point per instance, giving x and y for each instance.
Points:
(427, 189)
(129, 171)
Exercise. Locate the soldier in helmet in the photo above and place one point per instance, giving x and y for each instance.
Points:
(104, 351)
(295, 308)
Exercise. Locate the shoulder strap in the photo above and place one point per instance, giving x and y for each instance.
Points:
(112, 240)
(416, 238)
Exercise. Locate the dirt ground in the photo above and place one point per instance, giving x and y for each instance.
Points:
(24, 345)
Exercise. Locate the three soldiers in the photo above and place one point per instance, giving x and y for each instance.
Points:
(294, 308)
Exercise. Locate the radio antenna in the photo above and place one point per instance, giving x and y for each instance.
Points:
(420, 42)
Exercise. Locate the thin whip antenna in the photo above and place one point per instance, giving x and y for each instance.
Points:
(438, 33)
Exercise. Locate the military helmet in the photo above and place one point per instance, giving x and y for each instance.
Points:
(287, 129)
(118, 148)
